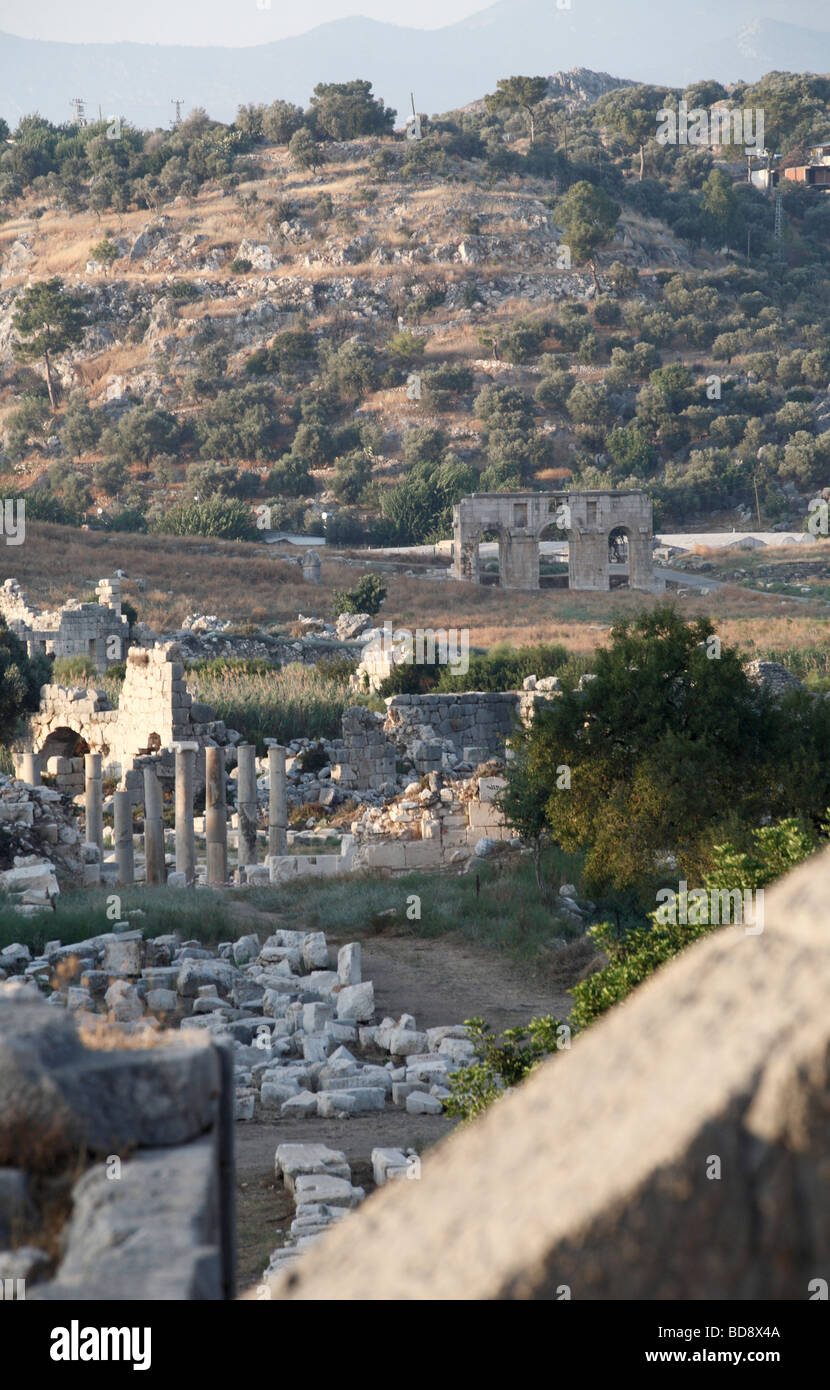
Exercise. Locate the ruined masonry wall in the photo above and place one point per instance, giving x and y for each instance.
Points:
(93, 630)
(155, 710)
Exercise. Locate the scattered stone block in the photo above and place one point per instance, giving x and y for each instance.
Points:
(356, 1002)
(349, 963)
(421, 1103)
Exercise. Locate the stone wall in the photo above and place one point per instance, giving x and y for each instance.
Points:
(97, 631)
(430, 826)
(161, 1227)
(364, 757)
(154, 711)
(424, 727)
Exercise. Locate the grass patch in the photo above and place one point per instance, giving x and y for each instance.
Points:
(199, 914)
(503, 913)
(283, 703)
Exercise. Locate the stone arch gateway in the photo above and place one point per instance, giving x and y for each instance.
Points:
(585, 519)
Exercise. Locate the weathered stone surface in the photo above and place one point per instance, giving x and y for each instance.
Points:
(15, 1207)
(195, 973)
(357, 1002)
(421, 1103)
(246, 949)
(725, 1052)
(56, 1095)
(290, 1160)
(150, 1234)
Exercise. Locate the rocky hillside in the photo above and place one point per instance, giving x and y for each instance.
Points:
(342, 337)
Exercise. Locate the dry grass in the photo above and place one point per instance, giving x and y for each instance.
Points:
(251, 584)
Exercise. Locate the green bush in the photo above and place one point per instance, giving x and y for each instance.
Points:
(183, 290)
(366, 597)
(503, 1062)
(772, 851)
(221, 517)
(20, 680)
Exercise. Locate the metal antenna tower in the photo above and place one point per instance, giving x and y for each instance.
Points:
(778, 230)
(78, 110)
(178, 102)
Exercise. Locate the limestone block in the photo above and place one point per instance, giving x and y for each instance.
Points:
(349, 963)
(291, 1160)
(421, 1103)
(355, 1101)
(356, 1002)
(246, 949)
(422, 854)
(162, 1001)
(315, 953)
(404, 1042)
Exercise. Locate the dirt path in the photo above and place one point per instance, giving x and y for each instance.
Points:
(438, 981)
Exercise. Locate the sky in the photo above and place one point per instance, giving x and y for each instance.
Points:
(220, 22)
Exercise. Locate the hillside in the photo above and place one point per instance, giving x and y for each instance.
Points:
(347, 348)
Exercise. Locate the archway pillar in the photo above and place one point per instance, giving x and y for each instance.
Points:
(640, 560)
(518, 561)
(588, 564)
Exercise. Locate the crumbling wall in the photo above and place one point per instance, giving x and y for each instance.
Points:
(96, 631)
(424, 727)
(154, 711)
(364, 757)
(442, 823)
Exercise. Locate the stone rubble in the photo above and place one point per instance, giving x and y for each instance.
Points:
(304, 1036)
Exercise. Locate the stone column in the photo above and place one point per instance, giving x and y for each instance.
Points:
(246, 804)
(94, 801)
(30, 768)
(277, 802)
(153, 829)
(216, 821)
(185, 841)
(123, 813)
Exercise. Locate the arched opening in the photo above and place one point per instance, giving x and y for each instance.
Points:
(490, 559)
(554, 556)
(618, 558)
(63, 743)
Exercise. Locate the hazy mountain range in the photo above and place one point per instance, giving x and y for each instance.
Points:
(445, 67)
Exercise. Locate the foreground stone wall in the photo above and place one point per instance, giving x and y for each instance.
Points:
(160, 1226)
(678, 1150)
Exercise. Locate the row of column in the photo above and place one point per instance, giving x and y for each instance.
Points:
(216, 816)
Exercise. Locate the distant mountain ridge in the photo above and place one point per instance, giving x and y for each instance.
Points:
(446, 68)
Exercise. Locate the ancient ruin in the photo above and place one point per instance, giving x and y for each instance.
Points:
(155, 711)
(604, 529)
(98, 631)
